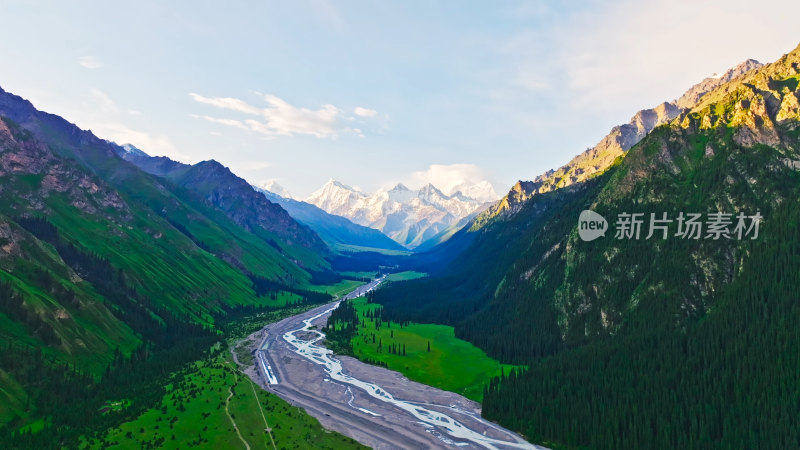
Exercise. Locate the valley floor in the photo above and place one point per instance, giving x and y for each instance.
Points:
(427, 353)
(352, 411)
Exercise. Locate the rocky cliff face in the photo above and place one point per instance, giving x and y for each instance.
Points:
(21, 155)
(735, 151)
(758, 105)
(592, 161)
(693, 95)
(621, 138)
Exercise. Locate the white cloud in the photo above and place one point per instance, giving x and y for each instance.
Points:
(596, 65)
(122, 134)
(103, 102)
(228, 122)
(447, 176)
(105, 118)
(364, 112)
(233, 104)
(90, 62)
(280, 118)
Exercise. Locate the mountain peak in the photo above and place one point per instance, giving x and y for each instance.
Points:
(275, 188)
(409, 216)
(482, 191)
(692, 96)
(337, 184)
(430, 188)
(334, 197)
(618, 141)
(133, 150)
(213, 165)
(400, 187)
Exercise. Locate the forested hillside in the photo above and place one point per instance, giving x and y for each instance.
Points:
(661, 341)
(111, 278)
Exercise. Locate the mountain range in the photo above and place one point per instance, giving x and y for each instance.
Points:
(338, 232)
(118, 268)
(218, 186)
(104, 264)
(658, 342)
(275, 188)
(410, 217)
(618, 141)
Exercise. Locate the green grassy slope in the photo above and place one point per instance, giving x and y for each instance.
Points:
(185, 210)
(405, 276)
(206, 401)
(195, 261)
(249, 209)
(98, 258)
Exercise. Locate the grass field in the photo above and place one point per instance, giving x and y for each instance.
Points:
(451, 364)
(12, 399)
(341, 288)
(357, 248)
(403, 276)
(211, 405)
(369, 275)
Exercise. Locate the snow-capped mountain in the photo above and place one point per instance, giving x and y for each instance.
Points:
(408, 216)
(482, 191)
(336, 198)
(132, 150)
(335, 230)
(275, 188)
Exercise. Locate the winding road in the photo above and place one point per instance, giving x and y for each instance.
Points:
(376, 406)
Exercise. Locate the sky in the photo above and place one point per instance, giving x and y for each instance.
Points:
(374, 93)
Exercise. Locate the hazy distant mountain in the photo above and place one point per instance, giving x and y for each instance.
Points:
(131, 149)
(273, 187)
(408, 216)
(331, 228)
(482, 191)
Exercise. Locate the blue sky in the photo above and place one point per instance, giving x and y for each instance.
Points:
(374, 93)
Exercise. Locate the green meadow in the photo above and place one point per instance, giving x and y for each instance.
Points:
(407, 275)
(211, 405)
(339, 289)
(345, 248)
(451, 364)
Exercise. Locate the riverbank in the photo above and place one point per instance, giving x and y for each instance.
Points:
(378, 407)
